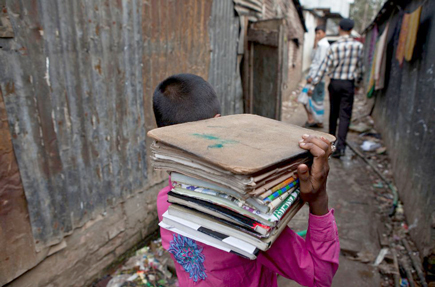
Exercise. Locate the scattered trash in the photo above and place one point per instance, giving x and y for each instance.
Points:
(404, 282)
(363, 256)
(370, 146)
(397, 263)
(414, 224)
(118, 280)
(381, 256)
(381, 150)
(379, 184)
(371, 135)
(360, 127)
(386, 269)
(148, 267)
(399, 209)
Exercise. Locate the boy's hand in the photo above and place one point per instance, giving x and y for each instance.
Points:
(313, 182)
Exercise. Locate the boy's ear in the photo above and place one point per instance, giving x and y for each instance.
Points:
(217, 116)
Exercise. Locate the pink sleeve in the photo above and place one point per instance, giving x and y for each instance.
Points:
(310, 262)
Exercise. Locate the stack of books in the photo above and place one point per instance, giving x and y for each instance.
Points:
(234, 179)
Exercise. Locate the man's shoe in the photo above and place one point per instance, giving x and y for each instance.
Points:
(337, 153)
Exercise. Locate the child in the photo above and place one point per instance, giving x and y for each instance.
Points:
(311, 262)
(315, 108)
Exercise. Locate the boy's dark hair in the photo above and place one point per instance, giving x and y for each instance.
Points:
(184, 98)
(321, 28)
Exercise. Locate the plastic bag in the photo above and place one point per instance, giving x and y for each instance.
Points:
(303, 96)
(317, 110)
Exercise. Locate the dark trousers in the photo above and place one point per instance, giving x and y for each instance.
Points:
(341, 94)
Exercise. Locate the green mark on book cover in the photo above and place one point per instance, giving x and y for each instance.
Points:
(220, 143)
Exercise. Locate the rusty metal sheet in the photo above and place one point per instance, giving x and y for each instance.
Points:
(17, 250)
(74, 99)
(175, 40)
(78, 79)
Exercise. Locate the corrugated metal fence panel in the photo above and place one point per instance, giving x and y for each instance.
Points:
(17, 250)
(176, 40)
(74, 98)
(224, 74)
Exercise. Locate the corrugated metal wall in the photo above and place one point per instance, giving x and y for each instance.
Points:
(404, 114)
(176, 40)
(77, 81)
(17, 250)
(224, 72)
(72, 82)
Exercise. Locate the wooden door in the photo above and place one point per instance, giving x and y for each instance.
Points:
(264, 68)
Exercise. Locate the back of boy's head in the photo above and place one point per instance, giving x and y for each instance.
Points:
(184, 98)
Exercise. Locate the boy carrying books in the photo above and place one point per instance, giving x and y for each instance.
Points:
(310, 262)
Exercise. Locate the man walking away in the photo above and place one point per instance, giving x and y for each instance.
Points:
(314, 107)
(344, 65)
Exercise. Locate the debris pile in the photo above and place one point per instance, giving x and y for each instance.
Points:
(397, 261)
(147, 267)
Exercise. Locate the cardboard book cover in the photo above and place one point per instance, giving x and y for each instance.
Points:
(242, 144)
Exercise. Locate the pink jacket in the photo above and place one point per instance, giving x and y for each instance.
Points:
(310, 262)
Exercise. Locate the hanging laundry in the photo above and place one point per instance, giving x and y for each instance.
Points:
(400, 53)
(381, 62)
(373, 39)
(371, 59)
(372, 47)
(414, 23)
(371, 84)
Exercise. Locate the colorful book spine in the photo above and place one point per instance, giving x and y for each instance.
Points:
(278, 187)
(281, 210)
(277, 202)
(284, 183)
(281, 191)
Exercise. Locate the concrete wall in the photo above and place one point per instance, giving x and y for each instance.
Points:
(309, 39)
(404, 114)
(295, 38)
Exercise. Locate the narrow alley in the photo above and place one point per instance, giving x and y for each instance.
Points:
(111, 174)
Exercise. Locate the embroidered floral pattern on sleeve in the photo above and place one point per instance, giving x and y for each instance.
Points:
(189, 255)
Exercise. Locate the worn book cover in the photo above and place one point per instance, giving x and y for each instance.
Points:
(241, 144)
